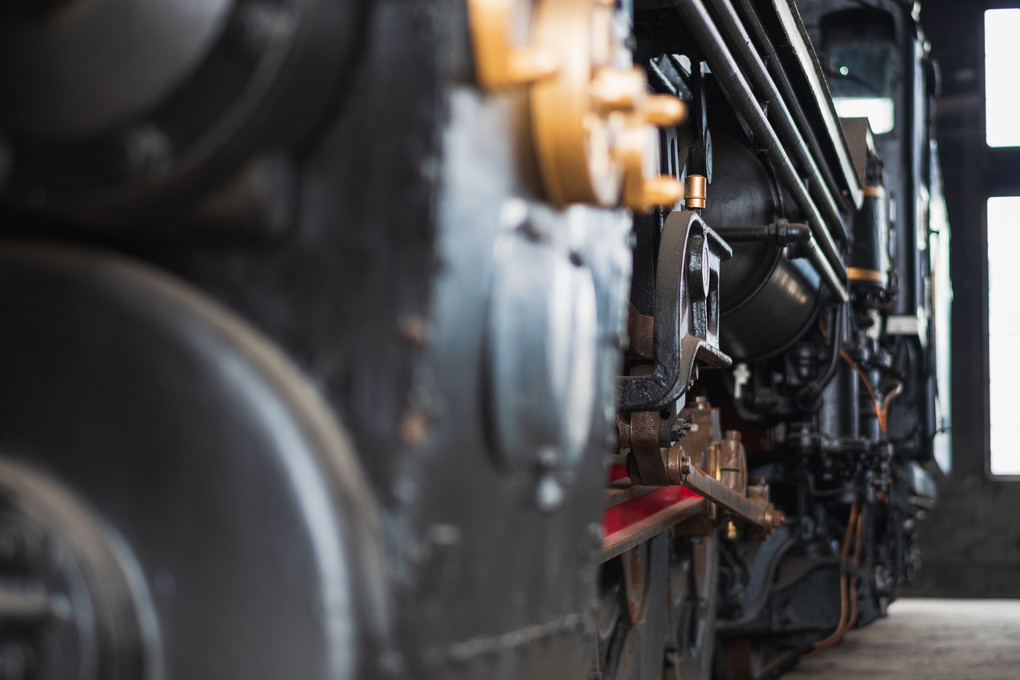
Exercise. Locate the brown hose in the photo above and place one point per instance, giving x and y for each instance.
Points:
(837, 634)
(853, 581)
(881, 409)
(887, 402)
(871, 392)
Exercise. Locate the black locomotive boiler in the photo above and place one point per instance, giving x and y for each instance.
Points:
(462, 338)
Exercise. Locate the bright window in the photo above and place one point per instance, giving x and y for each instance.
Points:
(861, 80)
(1002, 96)
(1004, 333)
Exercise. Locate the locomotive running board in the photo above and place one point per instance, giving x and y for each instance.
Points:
(638, 519)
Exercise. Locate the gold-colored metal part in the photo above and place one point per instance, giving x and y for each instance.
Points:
(676, 473)
(873, 191)
(617, 89)
(500, 63)
(643, 189)
(576, 114)
(869, 275)
(663, 110)
(592, 120)
(713, 470)
(695, 191)
(592, 115)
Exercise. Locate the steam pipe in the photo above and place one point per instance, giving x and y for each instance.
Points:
(809, 397)
(754, 67)
(753, 21)
(739, 92)
(781, 233)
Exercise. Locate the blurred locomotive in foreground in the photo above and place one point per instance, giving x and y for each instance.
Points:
(462, 338)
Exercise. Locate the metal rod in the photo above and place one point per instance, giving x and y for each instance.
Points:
(798, 48)
(20, 608)
(615, 496)
(779, 113)
(753, 21)
(739, 505)
(780, 233)
(739, 92)
(818, 259)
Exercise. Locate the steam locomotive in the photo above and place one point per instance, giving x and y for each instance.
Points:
(463, 338)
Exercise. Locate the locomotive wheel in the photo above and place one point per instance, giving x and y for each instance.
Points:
(632, 631)
(693, 599)
(175, 498)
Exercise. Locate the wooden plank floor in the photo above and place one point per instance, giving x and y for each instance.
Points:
(927, 639)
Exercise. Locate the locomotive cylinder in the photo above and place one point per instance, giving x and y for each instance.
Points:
(769, 298)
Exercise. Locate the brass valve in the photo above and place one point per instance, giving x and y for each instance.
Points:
(593, 121)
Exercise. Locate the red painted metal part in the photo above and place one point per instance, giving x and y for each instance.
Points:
(621, 517)
(644, 516)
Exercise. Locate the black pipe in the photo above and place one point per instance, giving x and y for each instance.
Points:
(782, 81)
(809, 397)
(781, 233)
(779, 112)
(728, 73)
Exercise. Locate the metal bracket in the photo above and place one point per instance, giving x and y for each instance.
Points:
(686, 313)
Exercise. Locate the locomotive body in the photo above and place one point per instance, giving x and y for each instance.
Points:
(484, 338)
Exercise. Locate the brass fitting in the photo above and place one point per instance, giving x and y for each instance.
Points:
(732, 463)
(678, 465)
(869, 275)
(695, 192)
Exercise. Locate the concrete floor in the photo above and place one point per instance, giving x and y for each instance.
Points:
(927, 639)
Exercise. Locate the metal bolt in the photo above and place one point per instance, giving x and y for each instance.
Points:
(259, 27)
(13, 661)
(549, 494)
(414, 329)
(146, 151)
(444, 535)
(549, 458)
(10, 545)
(20, 544)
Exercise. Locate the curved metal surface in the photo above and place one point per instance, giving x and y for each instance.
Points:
(776, 315)
(769, 299)
(686, 313)
(136, 116)
(633, 612)
(693, 606)
(541, 351)
(206, 452)
(85, 65)
(70, 588)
